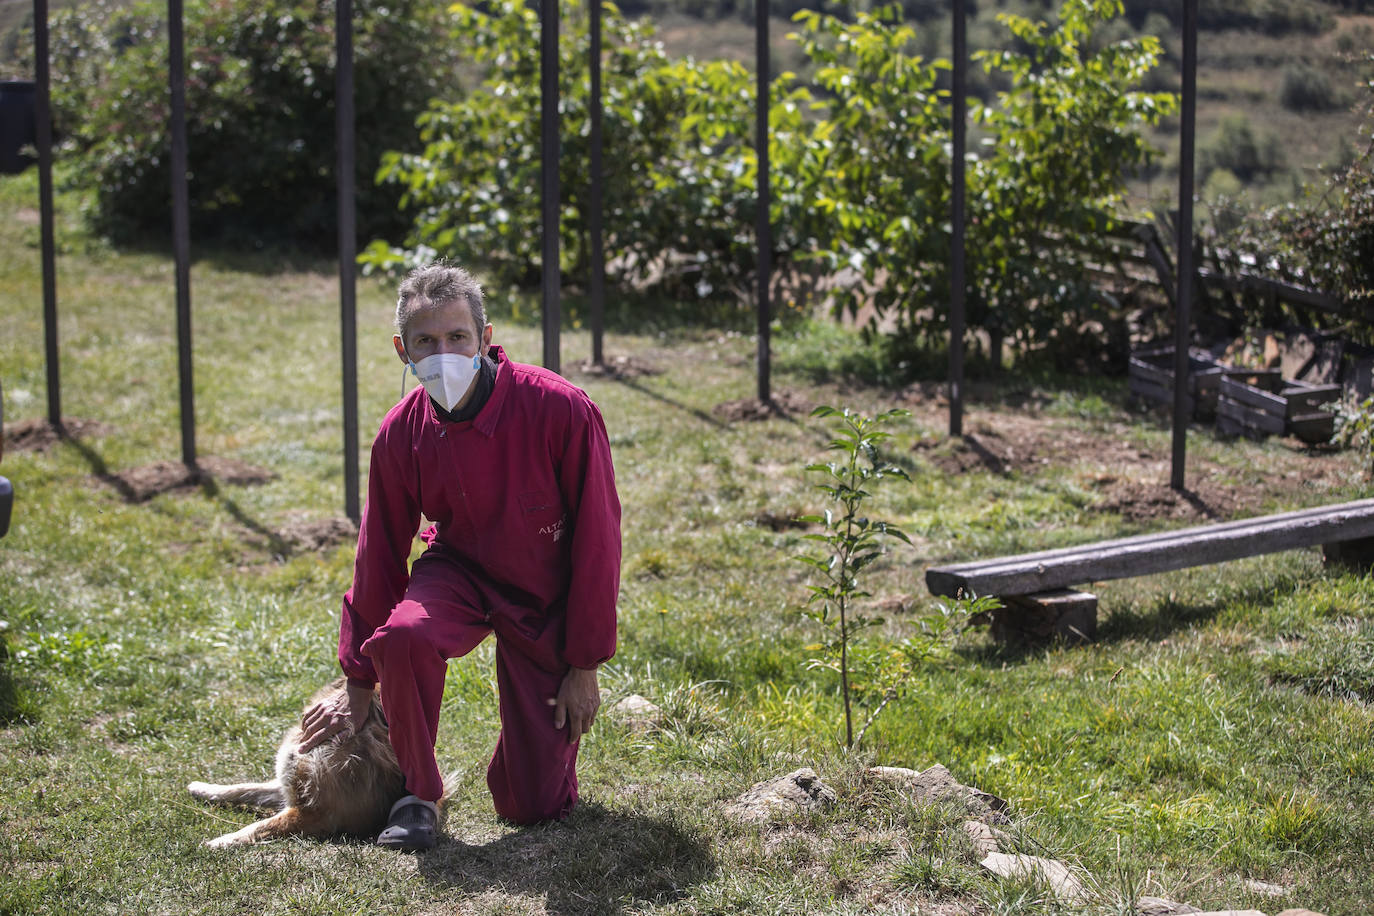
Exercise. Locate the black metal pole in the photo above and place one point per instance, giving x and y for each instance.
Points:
(43, 130)
(181, 227)
(763, 227)
(597, 285)
(1183, 321)
(958, 118)
(344, 123)
(548, 167)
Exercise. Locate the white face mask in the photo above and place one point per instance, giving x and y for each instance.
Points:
(447, 376)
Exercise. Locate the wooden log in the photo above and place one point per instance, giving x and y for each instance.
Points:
(1154, 553)
(1355, 554)
(1062, 613)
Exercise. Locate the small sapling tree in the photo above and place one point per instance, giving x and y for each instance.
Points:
(851, 539)
(875, 671)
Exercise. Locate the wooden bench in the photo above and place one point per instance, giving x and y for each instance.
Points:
(1034, 587)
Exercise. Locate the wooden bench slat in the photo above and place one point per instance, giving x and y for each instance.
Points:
(1155, 553)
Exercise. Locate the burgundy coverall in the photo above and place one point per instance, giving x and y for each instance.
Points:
(525, 543)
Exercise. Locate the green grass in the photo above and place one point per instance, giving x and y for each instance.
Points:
(1219, 730)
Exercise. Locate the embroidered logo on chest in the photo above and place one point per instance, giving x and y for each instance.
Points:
(555, 531)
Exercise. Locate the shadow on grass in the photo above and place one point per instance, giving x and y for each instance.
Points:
(1167, 617)
(188, 479)
(701, 415)
(598, 861)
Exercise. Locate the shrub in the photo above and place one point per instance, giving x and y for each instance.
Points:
(860, 164)
(1236, 147)
(1305, 88)
(259, 107)
(678, 170)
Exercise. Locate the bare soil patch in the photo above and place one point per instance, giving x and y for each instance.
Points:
(1132, 480)
(1026, 443)
(1204, 500)
(39, 435)
(141, 484)
(316, 535)
(617, 367)
(783, 403)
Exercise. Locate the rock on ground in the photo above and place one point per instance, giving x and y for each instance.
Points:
(986, 839)
(1055, 875)
(637, 713)
(799, 791)
(1158, 906)
(936, 783)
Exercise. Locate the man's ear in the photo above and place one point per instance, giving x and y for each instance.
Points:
(486, 339)
(400, 348)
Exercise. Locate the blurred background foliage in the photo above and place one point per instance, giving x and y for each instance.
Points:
(1073, 119)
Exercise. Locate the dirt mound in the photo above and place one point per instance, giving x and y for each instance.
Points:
(315, 535)
(617, 367)
(1203, 501)
(1026, 443)
(40, 435)
(749, 410)
(141, 484)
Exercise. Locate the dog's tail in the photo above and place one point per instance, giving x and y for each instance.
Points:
(265, 796)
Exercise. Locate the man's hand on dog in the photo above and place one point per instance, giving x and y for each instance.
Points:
(342, 712)
(579, 697)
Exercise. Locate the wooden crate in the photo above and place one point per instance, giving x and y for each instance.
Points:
(1291, 407)
(1151, 376)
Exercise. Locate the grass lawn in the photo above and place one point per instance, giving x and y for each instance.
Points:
(1220, 730)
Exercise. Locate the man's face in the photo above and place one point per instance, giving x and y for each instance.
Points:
(447, 328)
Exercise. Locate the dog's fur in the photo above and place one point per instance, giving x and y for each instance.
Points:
(345, 785)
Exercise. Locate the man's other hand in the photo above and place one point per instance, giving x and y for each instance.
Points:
(578, 699)
(342, 712)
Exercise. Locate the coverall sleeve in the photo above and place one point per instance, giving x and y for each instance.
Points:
(587, 479)
(381, 572)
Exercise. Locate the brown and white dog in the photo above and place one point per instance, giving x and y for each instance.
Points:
(346, 785)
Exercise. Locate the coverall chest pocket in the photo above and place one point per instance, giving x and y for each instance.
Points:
(543, 514)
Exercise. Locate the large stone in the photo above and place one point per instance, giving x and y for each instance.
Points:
(775, 799)
(637, 713)
(985, 838)
(1263, 888)
(1054, 875)
(1158, 906)
(937, 783)
(1299, 911)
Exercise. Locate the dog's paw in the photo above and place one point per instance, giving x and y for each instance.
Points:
(237, 838)
(201, 790)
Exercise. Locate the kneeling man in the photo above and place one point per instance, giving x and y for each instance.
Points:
(511, 464)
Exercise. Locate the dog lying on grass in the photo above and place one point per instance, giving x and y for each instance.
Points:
(346, 785)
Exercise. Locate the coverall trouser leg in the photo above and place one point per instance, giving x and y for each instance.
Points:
(447, 611)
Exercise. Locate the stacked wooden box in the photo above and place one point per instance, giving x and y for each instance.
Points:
(1291, 407)
(1254, 401)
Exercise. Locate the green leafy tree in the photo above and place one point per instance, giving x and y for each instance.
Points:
(259, 108)
(679, 163)
(1046, 190)
(1043, 186)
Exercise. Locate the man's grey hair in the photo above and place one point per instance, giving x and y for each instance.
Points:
(426, 288)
